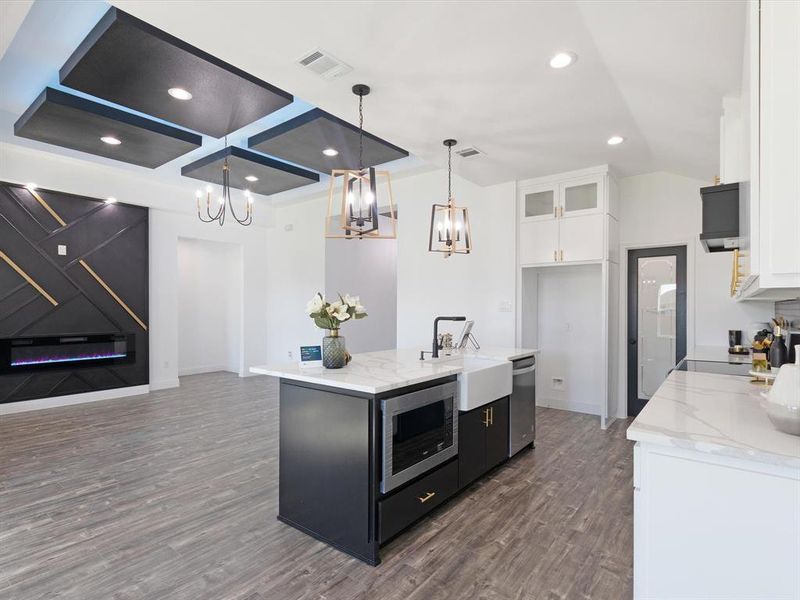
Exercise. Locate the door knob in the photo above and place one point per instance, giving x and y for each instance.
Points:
(632, 342)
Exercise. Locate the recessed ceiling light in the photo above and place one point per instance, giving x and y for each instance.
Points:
(563, 59)
(179, 93)
(31, 187)
(110, 140)
(330, 152)
(251, 178)
(614, 140)
(110, 200)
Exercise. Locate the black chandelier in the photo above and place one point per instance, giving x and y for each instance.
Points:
(224, 201)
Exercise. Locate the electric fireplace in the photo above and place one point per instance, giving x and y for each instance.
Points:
(27, 354)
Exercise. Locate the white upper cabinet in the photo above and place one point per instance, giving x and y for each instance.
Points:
(780, 144)
(582, 238)
(538, 242)
(770, 149)
(562, 218)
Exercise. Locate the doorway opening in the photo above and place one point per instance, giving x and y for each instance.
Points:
(209, 307)
(656, 319)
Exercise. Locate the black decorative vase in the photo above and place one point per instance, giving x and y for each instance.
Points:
(334, 352)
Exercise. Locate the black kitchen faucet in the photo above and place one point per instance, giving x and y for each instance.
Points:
(435, 352)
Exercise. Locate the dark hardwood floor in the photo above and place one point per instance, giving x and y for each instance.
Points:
(173, 495)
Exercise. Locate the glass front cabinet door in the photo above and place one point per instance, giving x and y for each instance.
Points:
(540, 203)
(581, 196)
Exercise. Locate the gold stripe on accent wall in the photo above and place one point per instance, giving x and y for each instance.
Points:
(27, 278)
(47, 207)
(111, 292)
(82, 262)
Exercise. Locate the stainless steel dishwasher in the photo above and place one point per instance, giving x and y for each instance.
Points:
(522, 406)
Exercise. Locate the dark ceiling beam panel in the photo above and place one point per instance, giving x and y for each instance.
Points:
(302, 139)
(129, 62)
(273, 176)
(70, 121)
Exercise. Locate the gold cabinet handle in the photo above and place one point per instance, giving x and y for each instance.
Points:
(555, 211)
(561, 256)
(491, 415)
(426, 497)
(486, 415)
(555, 255)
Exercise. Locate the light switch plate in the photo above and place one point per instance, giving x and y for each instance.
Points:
(62, 250)
(505, 306)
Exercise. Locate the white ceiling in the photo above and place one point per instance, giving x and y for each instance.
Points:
(654, 72)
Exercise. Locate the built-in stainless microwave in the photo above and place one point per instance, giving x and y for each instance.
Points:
(420, 431)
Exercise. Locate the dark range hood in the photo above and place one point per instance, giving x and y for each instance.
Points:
(720, 231)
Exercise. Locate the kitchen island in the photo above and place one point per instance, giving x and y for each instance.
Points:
(369, 449)
(716, 493)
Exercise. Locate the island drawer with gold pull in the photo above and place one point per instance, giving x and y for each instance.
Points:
(402, 508)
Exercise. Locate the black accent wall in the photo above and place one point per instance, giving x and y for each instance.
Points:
(99, 285)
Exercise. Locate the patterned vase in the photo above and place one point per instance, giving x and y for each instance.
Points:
(334, 353)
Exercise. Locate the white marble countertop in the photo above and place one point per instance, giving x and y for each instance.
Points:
(717, 414)
(717, 354)
(377, 372)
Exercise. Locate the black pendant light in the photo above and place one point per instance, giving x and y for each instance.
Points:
(450, 233)
(359, 216)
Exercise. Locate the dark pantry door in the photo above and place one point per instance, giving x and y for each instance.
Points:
(656, 319)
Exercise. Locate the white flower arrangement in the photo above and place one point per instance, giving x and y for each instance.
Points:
(331, 315)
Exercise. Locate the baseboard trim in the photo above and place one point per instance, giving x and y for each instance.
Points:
(204, 369)
(164, 384)
(581, 407)
(56, 401)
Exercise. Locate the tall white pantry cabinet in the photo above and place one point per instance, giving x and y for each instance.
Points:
(570, 219)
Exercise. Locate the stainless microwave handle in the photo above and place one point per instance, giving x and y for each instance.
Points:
(523, 371)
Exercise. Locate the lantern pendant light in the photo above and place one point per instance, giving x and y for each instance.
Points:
(450, 233)
(224, 201)
(359, 213)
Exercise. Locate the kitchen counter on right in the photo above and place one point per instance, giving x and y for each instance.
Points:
(714, 414)
(716, 493)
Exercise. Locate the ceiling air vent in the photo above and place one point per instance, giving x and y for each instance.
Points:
(323, 64)
(468, 152)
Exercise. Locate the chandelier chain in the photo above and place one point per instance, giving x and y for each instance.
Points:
(449, 172)
(361, 132)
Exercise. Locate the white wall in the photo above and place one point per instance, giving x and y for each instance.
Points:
(368, 269)
(172, 216)
(210, 302)
(480, 286)
(296, 259)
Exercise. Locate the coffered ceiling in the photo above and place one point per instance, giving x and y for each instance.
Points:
(654, 72)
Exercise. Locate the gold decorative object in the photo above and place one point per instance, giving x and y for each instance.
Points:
(736, 274)
(359, 215)
(27, 278)
(450, 232)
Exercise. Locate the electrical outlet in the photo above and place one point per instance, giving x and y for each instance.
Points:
(558, 383)
(291, 354)
(62, 250)
(288, 227)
